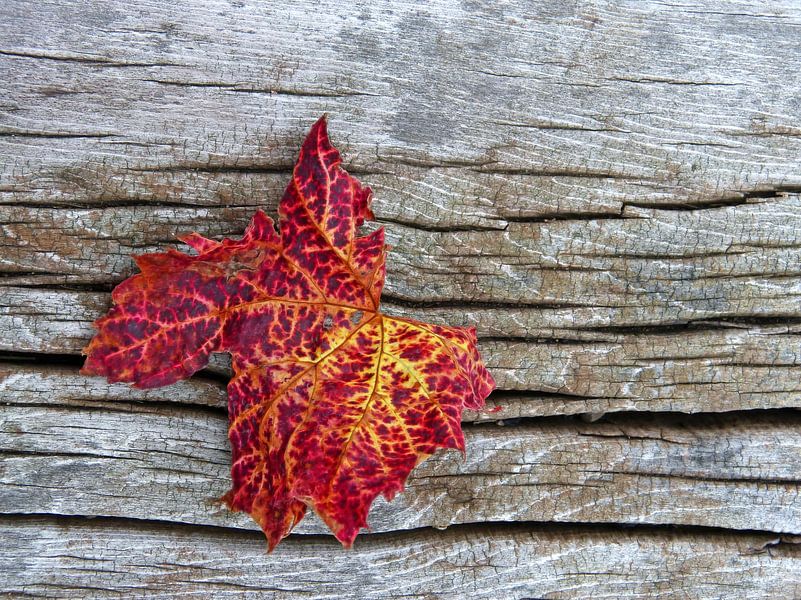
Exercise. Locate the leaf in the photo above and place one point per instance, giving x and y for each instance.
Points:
(331, 402)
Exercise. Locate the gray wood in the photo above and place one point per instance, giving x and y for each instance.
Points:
(656, 267)
(584, 105)
(711, 367)
(610, 193)
(94, 457)
(110, 559)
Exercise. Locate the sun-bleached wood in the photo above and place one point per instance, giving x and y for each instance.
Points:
(86, 453)
(650, 267)
(521, 110)
(710, 367)
(109, 559)
(610, 193)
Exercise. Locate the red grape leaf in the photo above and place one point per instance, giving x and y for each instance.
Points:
(331, 402)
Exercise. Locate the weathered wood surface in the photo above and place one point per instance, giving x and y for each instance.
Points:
(707, 368)
(78, 453)
(77, 559)
(658, 104)
(657, 267)
(611, 194)
(717, 472)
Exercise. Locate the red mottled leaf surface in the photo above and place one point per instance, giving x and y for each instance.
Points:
(331, 402)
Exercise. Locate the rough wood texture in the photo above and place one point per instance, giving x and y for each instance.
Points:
(611, 194)
(105, 560)
(705, 368)
(69, 458)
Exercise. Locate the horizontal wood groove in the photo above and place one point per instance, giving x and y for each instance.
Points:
(781, 541)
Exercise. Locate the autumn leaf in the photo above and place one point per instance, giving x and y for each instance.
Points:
(331, 402)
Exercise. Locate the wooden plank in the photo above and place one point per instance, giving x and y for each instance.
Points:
(109, 559)
(710, 368)
(59, 321)
(24, 383)
(654, 268)
(157, 461)
(583, 108)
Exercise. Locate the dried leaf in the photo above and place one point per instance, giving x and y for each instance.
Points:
(331, 402)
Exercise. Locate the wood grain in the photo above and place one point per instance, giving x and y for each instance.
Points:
(610, 193)
(111, 559)
(75, 452)
(657, 267)
(577, 107)
(709, 367)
